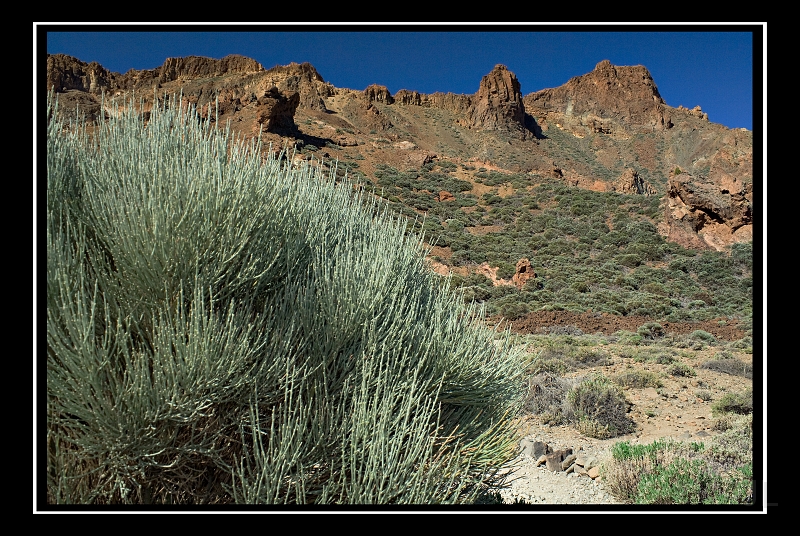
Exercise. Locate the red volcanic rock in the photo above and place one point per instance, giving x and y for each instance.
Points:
(631, 183)
(191, 67)
(523, 273)
(275, 111)
(712, 212)
(452, 102)
(498, 103)
(364, 115)
(303, 79)
(65, 73)
(608, 99)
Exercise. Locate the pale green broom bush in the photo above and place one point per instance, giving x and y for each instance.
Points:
(224, 329)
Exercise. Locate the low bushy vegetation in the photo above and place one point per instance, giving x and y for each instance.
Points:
(600, 408)
(731, 366)
(671, 472)
(226, 330)
(740, 403)
(681, 369)
(638, 379)
(590, 250)
(593, 404)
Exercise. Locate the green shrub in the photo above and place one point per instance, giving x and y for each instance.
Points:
(703, 395)
(704, 336)
(678, 483)
(670, 472)
(680, 369)
(651, 330)
(589, 357)
(733, 445)
(740, 403)
(505, 270)
(226, 330)
(733, 366)
(638, 379)
(629, 338)
(600, 408)
(691, 482)
(513, 310)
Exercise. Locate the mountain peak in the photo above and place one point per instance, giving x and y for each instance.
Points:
(498, 103)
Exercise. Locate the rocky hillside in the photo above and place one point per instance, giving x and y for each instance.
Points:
(608, 130)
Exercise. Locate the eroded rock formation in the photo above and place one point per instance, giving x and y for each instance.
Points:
(498, 103)
(712, 212)
(608, 100)
(378, 93)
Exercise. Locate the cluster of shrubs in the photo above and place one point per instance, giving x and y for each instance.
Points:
(594, 404)
(672, 472)
(583, 260)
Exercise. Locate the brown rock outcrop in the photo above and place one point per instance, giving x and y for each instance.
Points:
(65, 73)
(301, 78)
(523, 273)
(631, 183)
(712, 212)
(610, 100)
(275, 111)
(192, 67)
(696, 111)
(407, 97)
(364, 115)
(378, 93)
(498, 103)
(416, 158)
(452, 102)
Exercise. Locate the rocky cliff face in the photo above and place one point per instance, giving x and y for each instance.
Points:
(608, 130)
(301, 78)
(192, 67)
(376, 93)
(66, 73)
(498, 103)
(609, 100)
(709, 212)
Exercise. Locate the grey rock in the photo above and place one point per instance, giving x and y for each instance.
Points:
(553, 461)
(540, 448)
(569, 460)
(526, 448)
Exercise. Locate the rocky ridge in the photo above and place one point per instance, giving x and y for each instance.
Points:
(610, 100)
(632, 141)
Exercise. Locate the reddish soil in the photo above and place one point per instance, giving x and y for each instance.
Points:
(542, 321)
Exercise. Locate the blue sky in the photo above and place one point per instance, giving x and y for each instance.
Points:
(707, 65)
